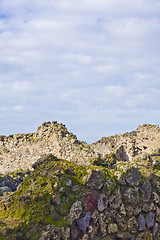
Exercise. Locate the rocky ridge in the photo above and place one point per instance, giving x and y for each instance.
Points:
(21, 151)
(103, 191)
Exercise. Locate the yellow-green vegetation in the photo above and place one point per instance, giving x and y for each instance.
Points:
(47, 194)
(45, 197)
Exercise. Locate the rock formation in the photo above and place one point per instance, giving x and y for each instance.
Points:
(106, 190)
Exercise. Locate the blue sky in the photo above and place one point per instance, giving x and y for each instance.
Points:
(92, 65)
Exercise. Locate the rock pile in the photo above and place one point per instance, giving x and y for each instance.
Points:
(107, 211)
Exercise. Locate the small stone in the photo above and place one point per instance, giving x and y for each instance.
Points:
(142, 224)
(145, 236)
(158, 214)
(83, 223)
(68, 182)
(112, 228)
(4, 189)
(85, 237)
(155, 229)
(122, 210)
(75, 232)
(75, 212)
(132, 225)
(115, 201)
(133, 237)
(90, 201)
(146, 191)
(150, 219)
(156, 198)
(122, 225)
(102, 202)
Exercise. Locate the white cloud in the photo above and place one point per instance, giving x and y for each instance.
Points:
(92, 64)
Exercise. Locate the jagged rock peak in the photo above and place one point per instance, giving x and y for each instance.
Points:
(22, 150)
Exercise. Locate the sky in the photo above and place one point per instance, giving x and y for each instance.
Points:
(93, 65)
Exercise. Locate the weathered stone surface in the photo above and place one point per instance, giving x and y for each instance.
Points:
(132, 225)
(83, 222)
(158, 214)
(115, 200)
(155, 230)
(145, 236)
(85, 237)
(134, 177)
(146, 191)
(121, 222)
(156, 198)
(66, 232)
(96, 180)
(4, 189)
(90, 201)
(75, 212)
(123, 235)
(92, 230)
(75, 233)
(103, 224)
(133, 237)
(150, 219)
(112, 228)
(56, 233)
(95, 216)
(102, 202)
(122, 210)
(142, 223)
(131, 196)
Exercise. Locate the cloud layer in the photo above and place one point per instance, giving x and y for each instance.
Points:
(93, 65)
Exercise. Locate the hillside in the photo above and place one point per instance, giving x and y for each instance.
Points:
(54, 186)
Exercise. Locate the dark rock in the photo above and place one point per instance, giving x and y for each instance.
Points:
(134, 177)
(158, 214)
(146, 191)
(150, 219)
(90, 201)
(155, 230)
(115, 200)
(132, 224)
(121, 222)
(131, 196)
(75, 233)
(83, 223)
(132, 237)
(142, 224)
(96, 180)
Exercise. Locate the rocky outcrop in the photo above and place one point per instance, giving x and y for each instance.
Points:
(21, 151)
(127, 147)
(61, 200)
(107, 190)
